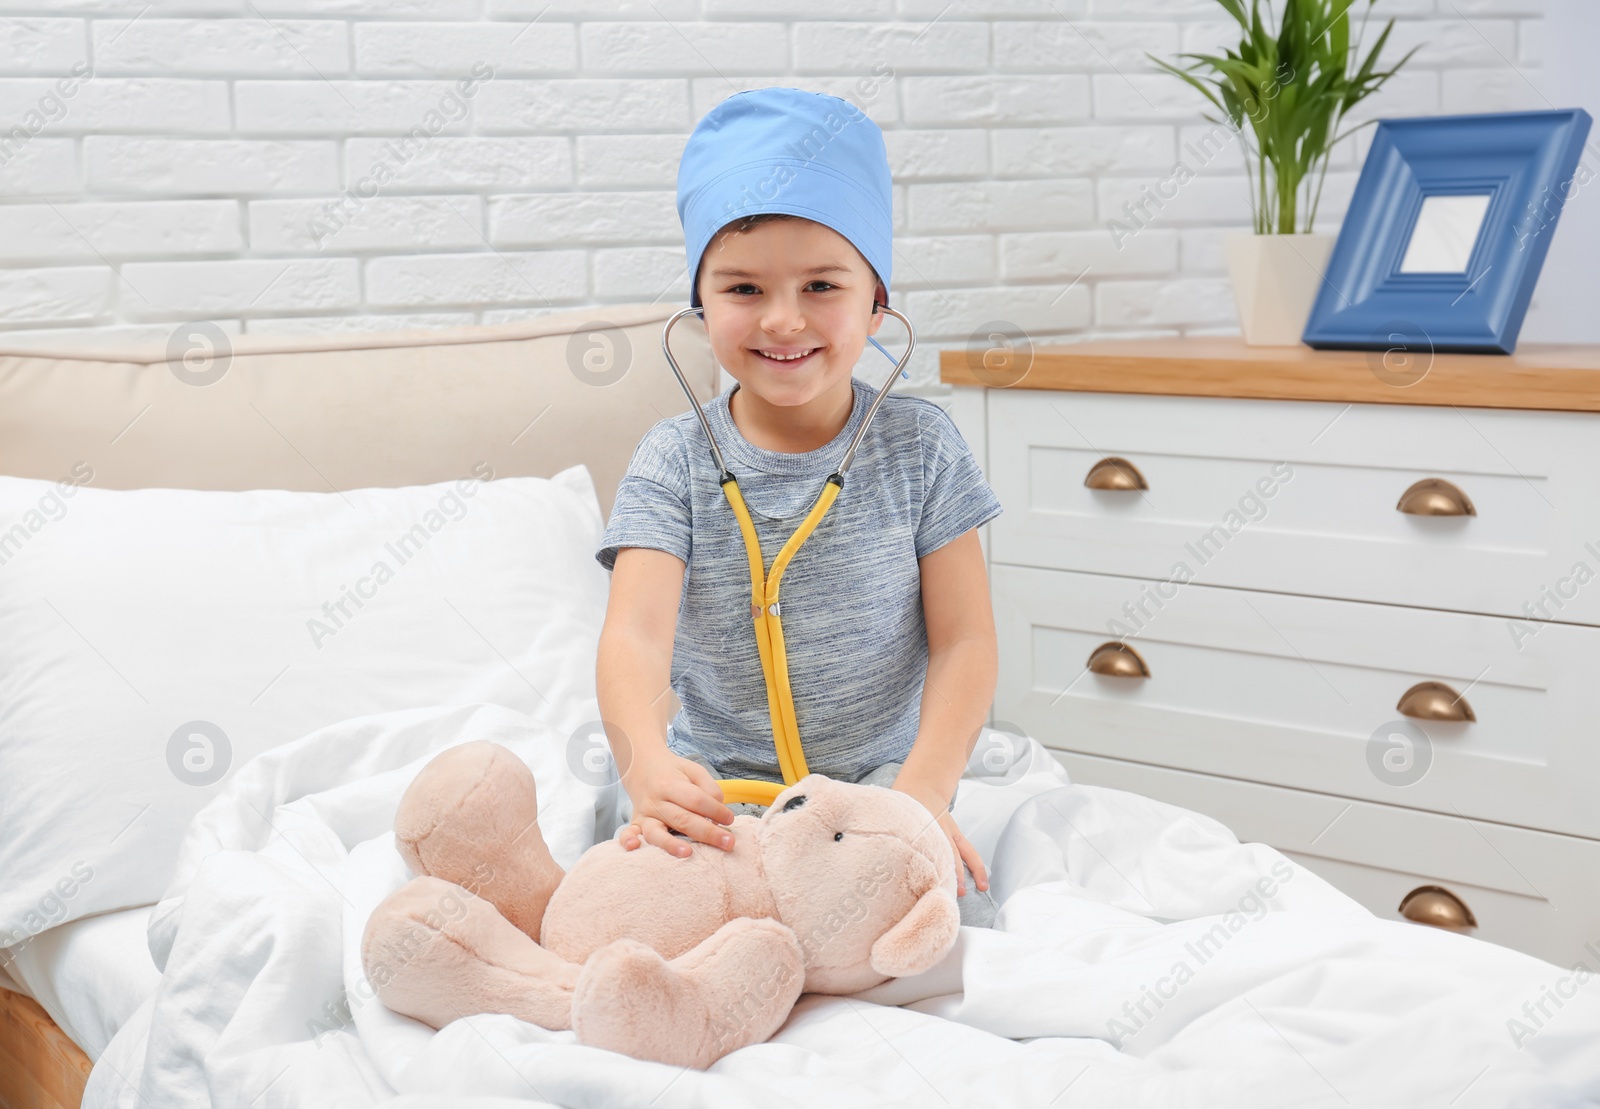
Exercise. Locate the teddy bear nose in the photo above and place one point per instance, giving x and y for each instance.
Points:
(794, 802)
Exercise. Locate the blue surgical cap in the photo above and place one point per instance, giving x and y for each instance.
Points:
(787, 150)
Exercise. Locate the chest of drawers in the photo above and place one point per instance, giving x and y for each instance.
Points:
(1357, 622)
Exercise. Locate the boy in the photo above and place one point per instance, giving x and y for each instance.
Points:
(786, 203)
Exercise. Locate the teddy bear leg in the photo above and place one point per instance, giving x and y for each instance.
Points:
(434, 952)
(734, 988)
(471, 816)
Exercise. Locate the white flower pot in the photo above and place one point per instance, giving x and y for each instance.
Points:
(1275, 281)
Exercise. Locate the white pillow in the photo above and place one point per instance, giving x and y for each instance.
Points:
(152, 640)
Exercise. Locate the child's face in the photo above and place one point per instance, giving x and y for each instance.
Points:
(760, 294)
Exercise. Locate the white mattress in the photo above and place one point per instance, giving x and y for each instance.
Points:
(89, 975)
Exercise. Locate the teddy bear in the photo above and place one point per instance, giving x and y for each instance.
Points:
(837, 887)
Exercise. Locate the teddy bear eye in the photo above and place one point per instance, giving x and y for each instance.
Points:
(837, 836)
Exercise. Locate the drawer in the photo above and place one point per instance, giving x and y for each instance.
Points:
(1527, 890)
(1304, 692)
(1299, 497)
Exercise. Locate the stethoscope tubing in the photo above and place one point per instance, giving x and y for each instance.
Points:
(855, 442)
(765, 608)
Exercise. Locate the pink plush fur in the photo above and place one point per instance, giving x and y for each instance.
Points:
(837, 887)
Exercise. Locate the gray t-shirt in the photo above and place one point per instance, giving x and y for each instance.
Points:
(852, 604)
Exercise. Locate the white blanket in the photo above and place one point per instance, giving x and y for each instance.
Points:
(1134, 962)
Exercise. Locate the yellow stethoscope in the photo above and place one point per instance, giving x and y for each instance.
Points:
(765, 608)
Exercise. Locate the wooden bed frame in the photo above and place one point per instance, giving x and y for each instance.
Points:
(40, 1068)
(453, 395)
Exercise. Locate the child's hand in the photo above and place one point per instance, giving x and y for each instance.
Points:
(959, 845)
(670, 792)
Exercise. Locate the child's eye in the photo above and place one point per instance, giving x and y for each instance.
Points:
(741, 290)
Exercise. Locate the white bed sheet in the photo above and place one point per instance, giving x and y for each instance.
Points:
(89, 975)
(1112, 975)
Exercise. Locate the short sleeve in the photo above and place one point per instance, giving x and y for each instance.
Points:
(956, 497)
(652, 504)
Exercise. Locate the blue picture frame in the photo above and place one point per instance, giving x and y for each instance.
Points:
(1524, 161)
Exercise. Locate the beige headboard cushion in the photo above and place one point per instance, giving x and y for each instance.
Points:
(347, 410)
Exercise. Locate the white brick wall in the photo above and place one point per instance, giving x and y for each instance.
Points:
(210, 165)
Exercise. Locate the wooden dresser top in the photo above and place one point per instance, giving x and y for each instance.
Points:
(1539, 375)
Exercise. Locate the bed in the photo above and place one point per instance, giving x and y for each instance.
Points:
(381, 409)
(1142, 955)
(66, 994)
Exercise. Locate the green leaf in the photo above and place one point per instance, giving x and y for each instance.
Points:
(1339, 36)
(1235, 9)
(1292, 83)
(1372, 59)
(1192, 80)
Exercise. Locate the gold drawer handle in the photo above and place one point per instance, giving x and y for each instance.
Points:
(1118, 660)
(1434, 496)
(1437, 907)
(1117, 474)
(1434, 701)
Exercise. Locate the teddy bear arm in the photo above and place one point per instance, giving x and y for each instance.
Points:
(734, 988)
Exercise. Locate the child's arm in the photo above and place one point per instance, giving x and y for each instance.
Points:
(963, 666)
(632, 679)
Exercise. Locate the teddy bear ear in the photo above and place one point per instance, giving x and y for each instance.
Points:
(920, 938)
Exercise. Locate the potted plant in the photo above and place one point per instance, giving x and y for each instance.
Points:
(1292, 85)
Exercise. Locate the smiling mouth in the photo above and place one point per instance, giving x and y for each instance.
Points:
(790, 360)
